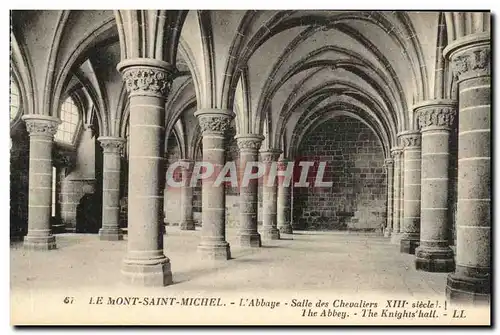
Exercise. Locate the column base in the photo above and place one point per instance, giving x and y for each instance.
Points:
(408, 246)
(187, 225)
(434, 259)
(43, 243)
(387, 232)
(396, 238)
(16, 238)
(286, 229)
(214, 251)
(462, 290)
(250, 240)
(58, 228)
(148, 273)
(106, 234)
(270, 234)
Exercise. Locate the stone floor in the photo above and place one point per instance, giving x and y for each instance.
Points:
(334, 261)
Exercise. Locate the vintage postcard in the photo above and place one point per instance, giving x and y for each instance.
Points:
(250, 167)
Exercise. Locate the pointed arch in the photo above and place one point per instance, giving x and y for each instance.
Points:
(23, 71)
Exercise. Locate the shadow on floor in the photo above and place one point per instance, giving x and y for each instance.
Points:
(218, 266)
(185, 276)
(72, 239)
(271, 246)
(65, 240)
(310, 233)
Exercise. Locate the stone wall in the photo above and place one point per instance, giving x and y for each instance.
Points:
(71, 190)
(82, 179)
(354, 163)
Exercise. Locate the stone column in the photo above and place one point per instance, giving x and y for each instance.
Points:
(410, 238)
(214, 124)
(435, 119)
(470, 57)
(41, 130)
(284, 203)
(269, 198)
(401, 191)
(397, 195)
(248, 235)
(148, 83)
(187, 222)
(389, 165)
(112, 149)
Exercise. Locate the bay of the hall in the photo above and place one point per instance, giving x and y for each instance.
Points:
(252, 150)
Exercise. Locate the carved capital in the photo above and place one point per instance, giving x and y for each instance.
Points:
(396, 152)
(147, 76)
(214, 124)
(147, 80)
(470, 56)
(214, 120)
(269, 156)
(411, 139)
(436, 114)
(249, 142)
(41, 125)
(472, 63)
(388, 162)
(112, 144)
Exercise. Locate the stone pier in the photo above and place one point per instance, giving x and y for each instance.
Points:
(284, 201)
(269, 197)
(248, 235)
(397, 191)
(112, 149)
(214, 124)
(389, 166)
(410, 237)
(186, 221)
(435, 120)
(148, 82)
(470, 58)
(41, 131)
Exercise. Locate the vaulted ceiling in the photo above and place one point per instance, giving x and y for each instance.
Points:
(275, 69)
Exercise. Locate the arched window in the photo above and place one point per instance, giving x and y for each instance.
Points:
(69, 121)
(15, 99)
